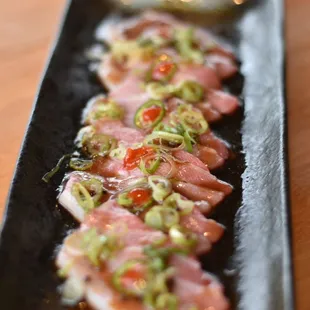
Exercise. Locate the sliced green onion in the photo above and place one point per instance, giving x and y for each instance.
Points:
(184, 43)
(106, 109)
(94, 187)
(191, 120)
(161, 187)
(140, 123)
(80, 164)
(153, 251)
(157, 286)
(124, 200)
(83, 197)
(100, 144)
(131, 49)
(182, 237)
(175, 200)
(177, 129)
(165, 139)
(152, 167)
(119, 152)
(155, 41)
(92, 245)
(87, 193)
(167, 301)
(157, 264)
(47, 176)
(159, 91)
(162, 217)
(190, 91)
(117, 279)
(188, 142)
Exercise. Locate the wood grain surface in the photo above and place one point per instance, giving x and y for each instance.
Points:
(26, 31)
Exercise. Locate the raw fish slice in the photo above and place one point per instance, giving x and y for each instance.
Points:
(224, 66)
(223, 102)
(111, 218)
(199, 193)
(203, 227)
(209, 156)
(209, 139)
(195, 287)
(203, 75)
(190, 173)
(116, 129)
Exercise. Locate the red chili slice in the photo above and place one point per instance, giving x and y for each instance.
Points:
(151, 114)
(140, 196)
(133, 156)
(163, 70)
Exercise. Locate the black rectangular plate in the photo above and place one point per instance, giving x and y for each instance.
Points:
(253, 260)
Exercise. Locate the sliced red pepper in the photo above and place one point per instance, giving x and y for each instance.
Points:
(163, 70)
(151, 114)
(140, 196)
(133, 156)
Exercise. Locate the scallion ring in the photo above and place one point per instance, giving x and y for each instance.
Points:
(80, 164)
(182, 237)
(158, 91)
(100, 144)
(184, 39)
(161, 218)
(106, 109)
(93, 244)
(165, 140)
(175, 200)
(190, 91)
(87, 193)
(161, 187)
(149, 164)
(166, 301)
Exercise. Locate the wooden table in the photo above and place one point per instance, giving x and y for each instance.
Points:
(26, 31)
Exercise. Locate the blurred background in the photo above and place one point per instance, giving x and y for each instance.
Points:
(27, 29)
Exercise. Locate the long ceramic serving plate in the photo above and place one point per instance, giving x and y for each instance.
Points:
(253, 259)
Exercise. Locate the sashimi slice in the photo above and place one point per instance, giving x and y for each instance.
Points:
(116, 129)
(222, 101)
(130, 95)
(190, 173)
(203, 75)
(196, 288)
(209, 112)
(203, 227)
(209, 156)
(209, 139)
(199, 193)
(111, 167)
(224, 66)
